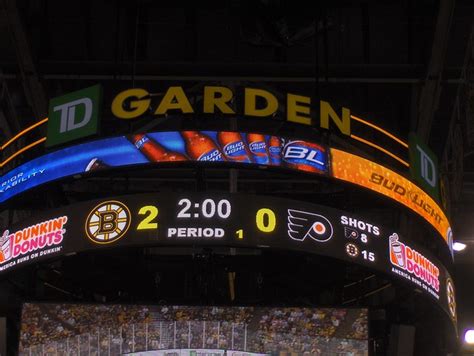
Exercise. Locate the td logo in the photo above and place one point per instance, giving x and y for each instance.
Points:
(424, 166)
(427, 168)
(73, 115)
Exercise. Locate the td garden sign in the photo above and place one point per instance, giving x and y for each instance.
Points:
(75, 115)
(132, 103)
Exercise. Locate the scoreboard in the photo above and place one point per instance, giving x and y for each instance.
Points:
(232, 220)
(212, 128)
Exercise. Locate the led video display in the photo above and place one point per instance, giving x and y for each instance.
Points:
(222, 147)
(230, 220)
(142, 149)
(73, 329)
(360, 171)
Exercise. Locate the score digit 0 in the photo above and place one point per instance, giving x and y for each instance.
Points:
(266, 220)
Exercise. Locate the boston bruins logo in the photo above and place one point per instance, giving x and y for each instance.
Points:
(451, 298)
(107, 222)
(352, 250)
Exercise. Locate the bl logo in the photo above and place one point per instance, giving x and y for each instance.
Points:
(424, 166)
(74, 115)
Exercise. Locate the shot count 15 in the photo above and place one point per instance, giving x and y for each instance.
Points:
(359, 233)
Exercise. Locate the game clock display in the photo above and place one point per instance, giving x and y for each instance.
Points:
(233, 220)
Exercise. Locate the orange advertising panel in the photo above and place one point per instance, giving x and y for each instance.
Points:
(360, 171)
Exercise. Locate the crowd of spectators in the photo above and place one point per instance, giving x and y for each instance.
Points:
(301, 330)
(116, 329)
(45, 322)
(359, 327)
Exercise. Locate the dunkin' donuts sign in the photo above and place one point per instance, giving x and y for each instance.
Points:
(33, 241)
(413, 266)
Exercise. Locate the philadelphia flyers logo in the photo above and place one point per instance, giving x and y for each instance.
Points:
(107, 222)
(351, 233)
(303, 224)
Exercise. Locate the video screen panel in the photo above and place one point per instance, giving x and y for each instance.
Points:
(373, 176)
(72, 329)
(230, 220)
(172, 146)
(221, 147)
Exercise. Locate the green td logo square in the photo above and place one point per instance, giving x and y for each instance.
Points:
(424, 166)
(74, 115)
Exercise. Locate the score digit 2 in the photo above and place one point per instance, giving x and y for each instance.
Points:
(150, 212)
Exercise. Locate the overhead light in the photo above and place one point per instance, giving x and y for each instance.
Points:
(469, 337)
(459, 246)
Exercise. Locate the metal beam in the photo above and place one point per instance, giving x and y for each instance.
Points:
(33, 89)
(3, 19)
(431, 90)
(355, 80)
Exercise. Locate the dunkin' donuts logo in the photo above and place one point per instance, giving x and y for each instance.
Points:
(35, 237)
(410, 260)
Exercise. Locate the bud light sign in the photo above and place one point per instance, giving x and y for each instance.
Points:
(258, 146)
(201, 147)
(43, 238)
(233, 146)
(236, 150)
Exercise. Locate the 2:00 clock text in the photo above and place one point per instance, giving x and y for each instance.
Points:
(209, 208)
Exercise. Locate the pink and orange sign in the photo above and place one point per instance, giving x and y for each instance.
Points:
(373, 176)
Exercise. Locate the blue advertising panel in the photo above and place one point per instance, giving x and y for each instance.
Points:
(174, 146)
